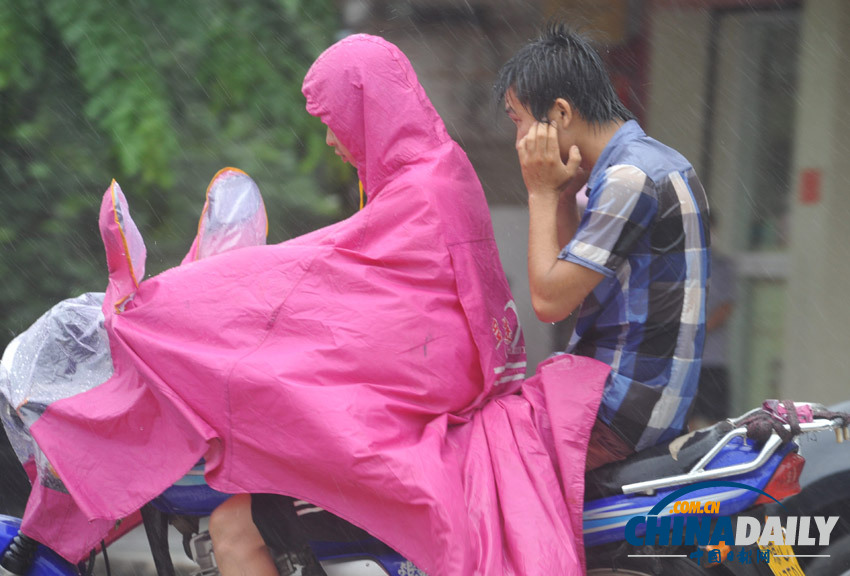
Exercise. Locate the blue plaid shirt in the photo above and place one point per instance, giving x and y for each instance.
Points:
(646, 229)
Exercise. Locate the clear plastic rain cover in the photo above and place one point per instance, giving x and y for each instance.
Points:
(64, 353)
(234, 215)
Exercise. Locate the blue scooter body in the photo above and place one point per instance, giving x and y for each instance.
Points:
(47, 562)
(606, 518)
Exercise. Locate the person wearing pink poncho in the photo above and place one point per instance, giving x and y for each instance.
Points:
(373, 368)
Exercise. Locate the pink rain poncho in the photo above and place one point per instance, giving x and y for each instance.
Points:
(372, 367)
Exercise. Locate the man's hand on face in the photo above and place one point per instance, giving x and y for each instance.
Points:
(542, 168)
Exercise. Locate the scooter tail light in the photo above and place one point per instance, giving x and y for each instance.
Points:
(785, 481)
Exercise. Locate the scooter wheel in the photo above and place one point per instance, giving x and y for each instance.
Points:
(837, 563)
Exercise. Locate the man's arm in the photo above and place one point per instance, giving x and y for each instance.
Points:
(567, 218)
(557, 287)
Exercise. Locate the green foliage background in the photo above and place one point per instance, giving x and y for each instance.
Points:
(158, 94)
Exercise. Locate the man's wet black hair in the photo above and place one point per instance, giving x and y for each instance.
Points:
(561, 63)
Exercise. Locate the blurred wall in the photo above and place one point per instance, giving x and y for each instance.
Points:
(793, 323)
(678, 63)
(818, 326)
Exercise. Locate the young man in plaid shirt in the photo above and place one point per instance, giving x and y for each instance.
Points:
(635, 264)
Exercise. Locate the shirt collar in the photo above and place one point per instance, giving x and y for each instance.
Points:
(628, 132)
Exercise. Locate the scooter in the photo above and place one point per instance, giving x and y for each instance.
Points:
(748, 467)
(749, 464)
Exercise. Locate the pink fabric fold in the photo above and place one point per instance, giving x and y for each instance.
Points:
(374, 368)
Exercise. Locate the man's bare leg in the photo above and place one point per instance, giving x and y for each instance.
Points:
(238, 546)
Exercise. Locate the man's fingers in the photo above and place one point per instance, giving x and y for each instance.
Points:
(522, 144)
(547, 141)
(574, 160)
(539, 155)
(532, 144)
(540, 160)
(552, 140)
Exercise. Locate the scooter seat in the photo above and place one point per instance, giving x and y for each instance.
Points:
(672, 459)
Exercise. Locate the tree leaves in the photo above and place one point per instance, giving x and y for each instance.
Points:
(19, 47)
(158, 94)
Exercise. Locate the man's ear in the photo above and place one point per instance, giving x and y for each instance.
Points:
(562, 113)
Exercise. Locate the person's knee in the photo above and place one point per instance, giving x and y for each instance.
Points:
(232, 528)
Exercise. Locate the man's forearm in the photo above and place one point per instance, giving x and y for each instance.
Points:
(544, 231)
(567, 219)
(557, 287)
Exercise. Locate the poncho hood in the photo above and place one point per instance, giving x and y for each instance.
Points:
(362, 81)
